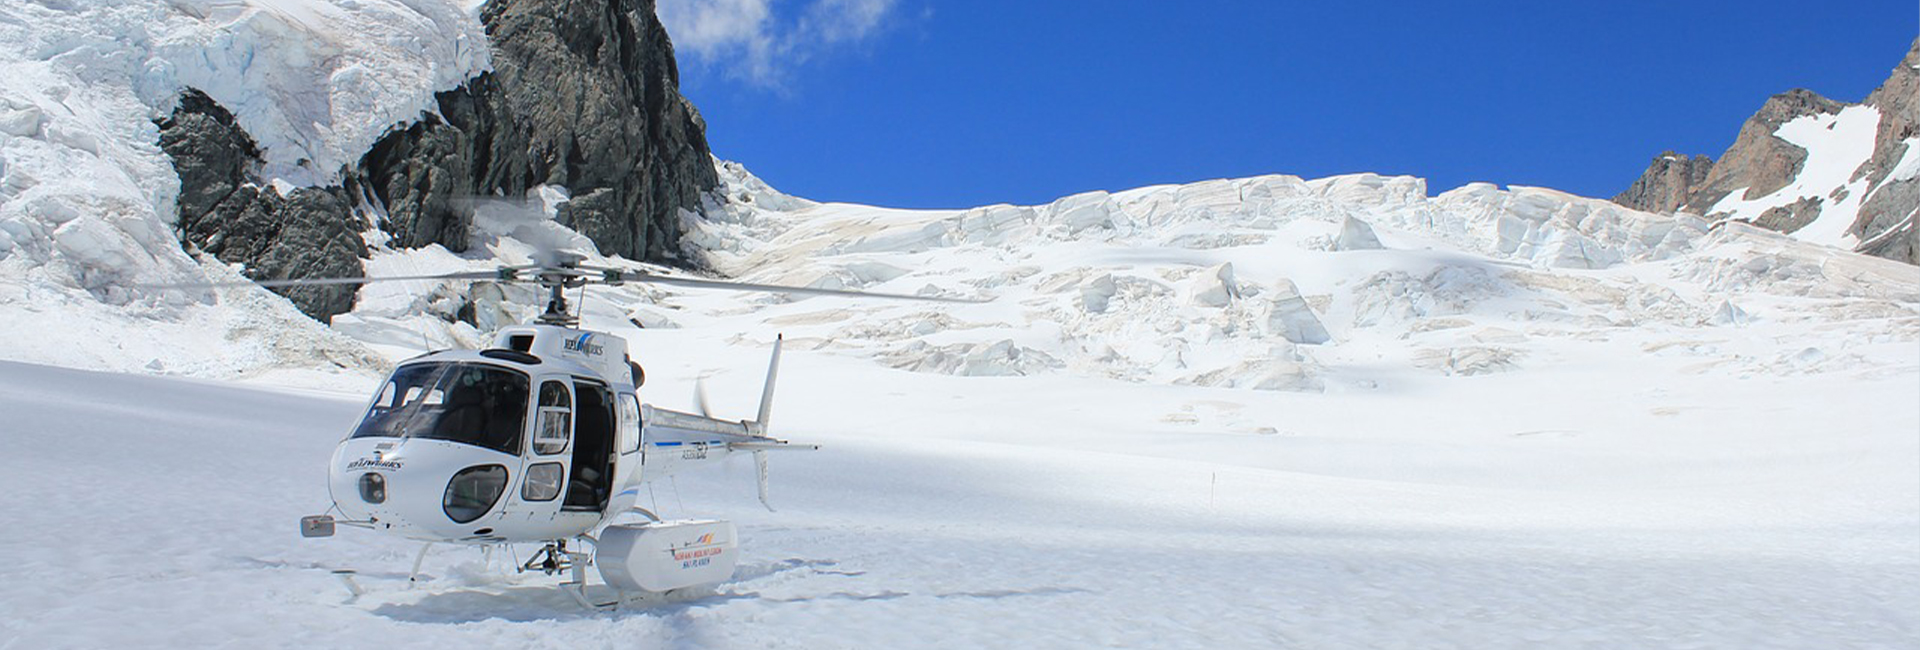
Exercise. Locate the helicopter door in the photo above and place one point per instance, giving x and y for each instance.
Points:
(552, 431)
(591, 480)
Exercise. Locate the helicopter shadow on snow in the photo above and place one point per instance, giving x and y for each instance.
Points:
(529, 603)
(536, 603)
(547, 603)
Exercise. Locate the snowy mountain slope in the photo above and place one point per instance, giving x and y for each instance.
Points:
(87, 197)
(1281, 283)
(1838, 174)
(1835, 145)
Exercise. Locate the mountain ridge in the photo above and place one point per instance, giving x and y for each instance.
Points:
(1866, 195)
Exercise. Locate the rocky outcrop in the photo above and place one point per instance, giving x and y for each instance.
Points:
(1760, 163)
(225, 211)
(1792, 216)
(1888, 215)
(1668, 183)
(584, 94)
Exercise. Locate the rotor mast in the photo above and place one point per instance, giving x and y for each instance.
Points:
(558, 313)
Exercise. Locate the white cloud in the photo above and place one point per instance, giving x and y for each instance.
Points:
(760, 40)
(845, 20)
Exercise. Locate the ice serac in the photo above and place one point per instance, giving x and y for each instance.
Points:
(225, 209)
(1356, 235)
(584, 94)
(1667, 184)
(1860, 194)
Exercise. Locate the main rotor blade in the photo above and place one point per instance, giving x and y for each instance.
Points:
(703, 283)
(315, 282)
(545, 274)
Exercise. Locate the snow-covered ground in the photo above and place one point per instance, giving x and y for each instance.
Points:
(1263, 412)
(1621, 501)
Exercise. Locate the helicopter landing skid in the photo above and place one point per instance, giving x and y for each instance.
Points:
(413, 577)
(556, 558)
(576, 586)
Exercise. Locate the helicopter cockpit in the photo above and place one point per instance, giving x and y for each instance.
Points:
(471, 403)
(498, 443)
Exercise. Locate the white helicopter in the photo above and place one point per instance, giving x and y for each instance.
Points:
(542, 438)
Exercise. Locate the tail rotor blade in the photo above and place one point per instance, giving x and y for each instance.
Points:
(760, 472)
(700, 398)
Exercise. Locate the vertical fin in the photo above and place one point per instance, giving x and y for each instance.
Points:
(766, 394)
(760, 464)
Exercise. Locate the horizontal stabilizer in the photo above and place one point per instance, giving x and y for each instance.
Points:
(659, 417)
(770, 445)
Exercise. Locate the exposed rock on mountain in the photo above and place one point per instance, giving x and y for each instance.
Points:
(1826, 171)
(584, 94)
(1760, 162)
(1894, 170)
(1668, 183)
(226, 212)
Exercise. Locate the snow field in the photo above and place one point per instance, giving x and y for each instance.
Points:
(1567, 508)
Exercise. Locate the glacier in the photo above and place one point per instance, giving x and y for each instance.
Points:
(1254, 412)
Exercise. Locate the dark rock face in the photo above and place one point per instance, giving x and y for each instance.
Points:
(584, 94)
(225, 212)
(417, 174)
(1667, 184)
(211, 154)
(1791, 217)
(1764, 163)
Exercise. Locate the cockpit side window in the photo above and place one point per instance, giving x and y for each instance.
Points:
(629, 423)
(555, 428)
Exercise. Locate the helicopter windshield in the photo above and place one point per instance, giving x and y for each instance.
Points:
(471, 403)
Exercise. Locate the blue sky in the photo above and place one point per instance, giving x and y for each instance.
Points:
(956, 103)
